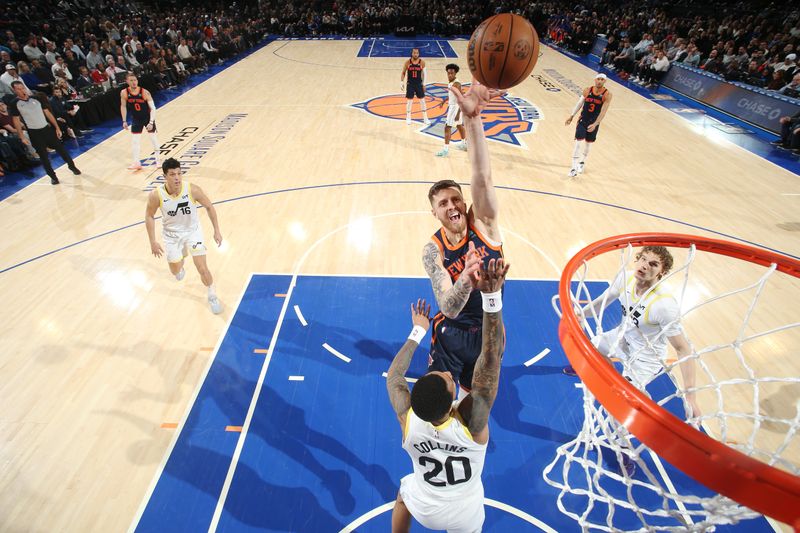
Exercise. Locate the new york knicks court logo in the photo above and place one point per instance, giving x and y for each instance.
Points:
(505, 119)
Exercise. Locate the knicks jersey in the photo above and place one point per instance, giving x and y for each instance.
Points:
(415, 72)
(592, 105)
(453, 260)
(138, 108)
(648, 320)
(447, 462)
(179, 213)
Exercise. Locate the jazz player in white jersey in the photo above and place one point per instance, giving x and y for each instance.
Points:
(454, 118)
(446, 441)
(182, 232)
(651, 321)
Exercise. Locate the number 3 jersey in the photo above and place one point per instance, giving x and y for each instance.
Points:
(179, 213)
(447, 462)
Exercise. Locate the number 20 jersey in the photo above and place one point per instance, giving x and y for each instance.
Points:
(179, 213)
(447, 462)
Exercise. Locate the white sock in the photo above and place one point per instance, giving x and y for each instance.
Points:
(424, 108)
(446, 148)
(576, 153)
(135, 144)
(211, 291)
(156, 146)
(585, 152)
(179, 275)
(408, 107)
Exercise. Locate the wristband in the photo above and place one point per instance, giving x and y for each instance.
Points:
(417, 334)
(492, 301)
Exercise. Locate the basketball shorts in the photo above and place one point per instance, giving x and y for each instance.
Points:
(455, 350)
(138, 127)
(454, 117)
(581, 133)
(462, 515)
(639, 366)
(415, 89)
(179, 245)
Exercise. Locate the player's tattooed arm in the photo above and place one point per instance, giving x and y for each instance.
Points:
(487, 372)
(396, 384)
(451, 297)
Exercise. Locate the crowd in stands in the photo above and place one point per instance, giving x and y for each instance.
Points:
(748, 42)
(88, 47)
(83, 46)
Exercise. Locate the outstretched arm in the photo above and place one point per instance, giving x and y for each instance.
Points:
(486, 376)
(451, 297)
(396, 384)
(484, 198)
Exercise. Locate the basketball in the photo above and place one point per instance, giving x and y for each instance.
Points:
(503, 50)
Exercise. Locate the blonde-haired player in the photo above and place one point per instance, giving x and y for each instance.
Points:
(139, 103)
(182, 232)
(454, 118)
(651, 319)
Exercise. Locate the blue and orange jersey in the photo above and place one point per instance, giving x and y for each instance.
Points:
(453, 259)
(138, 108)
(415, 71)
(592, 104)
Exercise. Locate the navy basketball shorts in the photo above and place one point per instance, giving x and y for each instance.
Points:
(415, 89)
(581, 133)
(138, 127)
(455, 350)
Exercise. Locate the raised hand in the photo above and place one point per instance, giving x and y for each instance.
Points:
(472, 265)
(421, 314)
(492, 276)
(476, 99)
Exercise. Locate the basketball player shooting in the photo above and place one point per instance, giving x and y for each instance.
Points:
(593, 106)
(454, 253)
(415, 67)
(447, 444)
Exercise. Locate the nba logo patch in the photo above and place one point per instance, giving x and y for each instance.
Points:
(506, 119)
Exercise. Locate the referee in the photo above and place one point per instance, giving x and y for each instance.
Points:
(41, 134)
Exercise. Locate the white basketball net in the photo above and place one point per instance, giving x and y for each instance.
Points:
(588, 471)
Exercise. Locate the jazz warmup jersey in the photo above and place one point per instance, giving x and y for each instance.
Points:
(138, 110)
(414, 85)
(454, 117)
(181, 223)
(648, 321)
(445, 491)
(592, 106)
(456, 342)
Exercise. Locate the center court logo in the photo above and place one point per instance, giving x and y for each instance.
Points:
(505, 119)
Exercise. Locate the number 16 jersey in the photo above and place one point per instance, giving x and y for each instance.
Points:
(179, 212)
(447, 462)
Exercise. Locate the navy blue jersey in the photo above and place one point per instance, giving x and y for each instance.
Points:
(138, 109)
(592, 104)
(453, 260)
(415, 72)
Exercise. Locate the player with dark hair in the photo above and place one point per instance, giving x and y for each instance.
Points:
(453, 119)
(415, 67)
(182, 232)
(447, 443)
(593, 105)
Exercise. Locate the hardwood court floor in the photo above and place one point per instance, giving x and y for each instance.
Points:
(101, 346)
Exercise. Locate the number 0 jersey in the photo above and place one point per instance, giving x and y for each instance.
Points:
(179, 213)
(447, 462)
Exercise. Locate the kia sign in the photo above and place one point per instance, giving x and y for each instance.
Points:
(755, 106)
